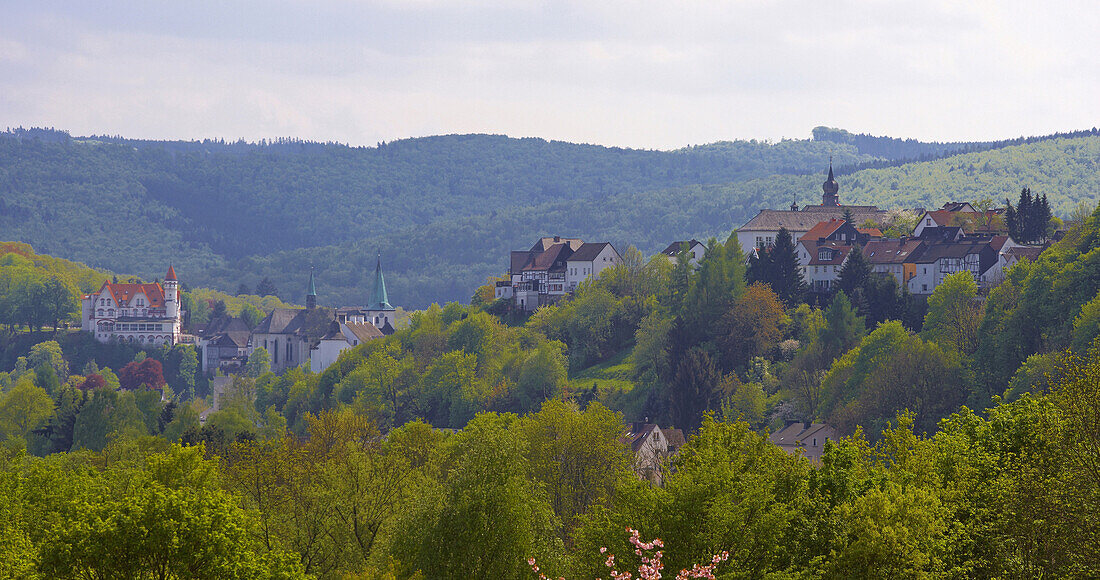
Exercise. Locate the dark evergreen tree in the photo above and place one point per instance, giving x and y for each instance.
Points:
(693, 389)
(266, 288)
(854, 273)
(243, 289)
(783, 272)
(219, 310)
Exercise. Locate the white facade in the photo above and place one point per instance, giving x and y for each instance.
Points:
(140, 314)
(341, 337)
(577, 271)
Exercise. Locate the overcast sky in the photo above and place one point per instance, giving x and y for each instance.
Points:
(633, 73)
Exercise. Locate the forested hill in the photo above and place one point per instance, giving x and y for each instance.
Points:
(443, 211)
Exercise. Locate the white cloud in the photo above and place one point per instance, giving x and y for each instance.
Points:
(642, 74)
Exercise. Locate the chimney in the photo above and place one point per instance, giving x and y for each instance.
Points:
(557, 239)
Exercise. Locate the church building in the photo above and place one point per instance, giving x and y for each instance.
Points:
(378, 311)
(761, 231)
(140, 314)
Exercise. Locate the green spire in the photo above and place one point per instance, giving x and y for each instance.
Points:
(378, 298)
(311, 294)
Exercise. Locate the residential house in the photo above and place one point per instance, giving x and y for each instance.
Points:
(695, 250)
(588, 261)
(553, 268)
(893, 257)
(938, 260)
(652, 446)
(140, 314)
(340, 337)
(223, 345)
(823, 250)
(807, 438)
(962, 215)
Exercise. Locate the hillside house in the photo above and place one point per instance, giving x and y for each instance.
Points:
(553, 268)
(340, 337)
(893, 257)
(807, 438)
(223, 345)
(962, 215)
(652, 446)
(140, 314)
(695, 249)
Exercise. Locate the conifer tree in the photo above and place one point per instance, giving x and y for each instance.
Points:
(783, 273)
(855, 272)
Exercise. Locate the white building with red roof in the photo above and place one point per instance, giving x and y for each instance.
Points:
(141, 314)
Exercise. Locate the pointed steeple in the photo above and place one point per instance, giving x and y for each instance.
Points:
(171, 276)
(379, 300)
(830, 188)
(311, 293)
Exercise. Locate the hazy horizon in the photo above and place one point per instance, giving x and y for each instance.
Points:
(649, 76)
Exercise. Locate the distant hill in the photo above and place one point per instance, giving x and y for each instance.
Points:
(444, 210)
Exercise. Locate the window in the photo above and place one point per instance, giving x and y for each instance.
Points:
(825, 254)
(928, 222)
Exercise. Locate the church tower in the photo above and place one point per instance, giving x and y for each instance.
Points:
(171, 293)
(379, 311)
(311, 293)
(830, 198)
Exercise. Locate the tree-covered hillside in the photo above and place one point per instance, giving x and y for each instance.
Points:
(444, 211)
(444, 260)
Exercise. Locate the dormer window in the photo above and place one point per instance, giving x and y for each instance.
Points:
(825, 254)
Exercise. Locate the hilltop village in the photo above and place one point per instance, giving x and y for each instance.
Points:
(917, 248)
(954, 238)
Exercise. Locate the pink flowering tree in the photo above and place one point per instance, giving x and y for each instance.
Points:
(651, 565)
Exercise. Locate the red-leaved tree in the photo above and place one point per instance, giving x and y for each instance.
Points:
(145, 374)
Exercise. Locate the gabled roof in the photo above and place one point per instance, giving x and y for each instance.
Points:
(554, 256)
(839, 253)
(870, 232)
(589, 251)
(544, 243)
(282, 321)
(123, 293)
(948, 233)
(364, 331)
(801, 433)
(957, 206)
(809, 216)
(891, 251)
(673, 249)
(822, 230)
(932, 252)
(675, 437)
(1030, 253)
(639, 432)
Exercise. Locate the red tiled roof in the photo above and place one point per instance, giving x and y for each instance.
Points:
(873, 232)
(822, 230)
(890, 251)
(171, 273)
(839, 251)
(123, 293)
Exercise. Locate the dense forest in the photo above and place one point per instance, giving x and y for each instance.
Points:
(444, 211)
(970, 424)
